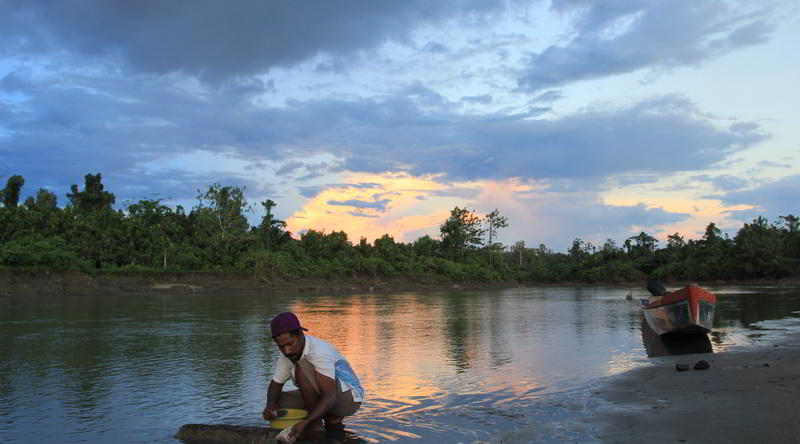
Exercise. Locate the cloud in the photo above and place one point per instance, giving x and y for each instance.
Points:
(771, 199)
(357, 214)
(311, 191)
(771, 164)
(537, 214)
(215, 40)
(288, 168)
(379, 205)
(548, 96)
(117, 125)
(725, 182)
(483, 99)
(664, 134)
(622, 36)
(454, 191)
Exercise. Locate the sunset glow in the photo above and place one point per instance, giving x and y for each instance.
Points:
(588, 120)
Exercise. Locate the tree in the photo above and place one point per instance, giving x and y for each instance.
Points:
(675, 241)
(426, 246)
(494, 221)
(712, 233)
(271, 231)
(791, 223)
(518, 249)
(220, 215)
(92, 198)
(460, 232)
(642, 244)
(153, 231)
(12, 191)
(45, 200)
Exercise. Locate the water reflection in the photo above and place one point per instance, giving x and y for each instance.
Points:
(673, 344)
(449, 366)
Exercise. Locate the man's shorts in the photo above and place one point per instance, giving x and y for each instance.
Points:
(293, 399)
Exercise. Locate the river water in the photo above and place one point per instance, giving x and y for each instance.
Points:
(453, 366)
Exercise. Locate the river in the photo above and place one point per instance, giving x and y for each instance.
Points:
(449, 366)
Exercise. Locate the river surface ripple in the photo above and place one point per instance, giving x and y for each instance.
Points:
(452, 366)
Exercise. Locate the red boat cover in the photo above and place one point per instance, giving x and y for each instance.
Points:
(691, 293)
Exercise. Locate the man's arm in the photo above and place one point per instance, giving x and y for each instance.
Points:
(273, 396)
(327, 394)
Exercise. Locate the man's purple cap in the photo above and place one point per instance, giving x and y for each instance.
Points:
(284, 322)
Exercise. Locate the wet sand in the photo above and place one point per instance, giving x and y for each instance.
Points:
(744, 397)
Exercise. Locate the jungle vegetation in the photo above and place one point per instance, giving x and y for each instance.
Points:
(88, 234)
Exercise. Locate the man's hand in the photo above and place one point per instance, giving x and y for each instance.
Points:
(297, 429)
(270, 412)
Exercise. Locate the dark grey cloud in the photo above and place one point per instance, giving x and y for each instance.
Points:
(379, 205)
(621, 36)
(364, 185)
(635, 179)
(435, 48)
(725, 182)
(772, 199)
(357, 214)
(771, 164)
(311, 191)
(665, 134)
(484, 99)
(548, 96)
(64, 127)
(216, 40)
(462, 192)
(288, 168)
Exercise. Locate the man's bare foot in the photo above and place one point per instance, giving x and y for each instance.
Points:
(334, 423)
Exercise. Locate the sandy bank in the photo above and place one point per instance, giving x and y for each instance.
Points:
(744, 397)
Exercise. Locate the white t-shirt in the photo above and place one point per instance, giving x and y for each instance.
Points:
(327, 360)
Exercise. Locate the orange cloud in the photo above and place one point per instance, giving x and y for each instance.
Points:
(371, 205)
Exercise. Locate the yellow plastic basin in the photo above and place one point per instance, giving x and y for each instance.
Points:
(287, 419)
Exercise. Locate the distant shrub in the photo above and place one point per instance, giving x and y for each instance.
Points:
(50, 252)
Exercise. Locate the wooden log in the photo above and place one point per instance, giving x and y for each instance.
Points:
(224, 433)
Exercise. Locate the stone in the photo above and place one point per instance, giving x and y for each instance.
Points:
(702, 365)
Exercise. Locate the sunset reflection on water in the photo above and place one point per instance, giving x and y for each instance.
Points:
(448, 366)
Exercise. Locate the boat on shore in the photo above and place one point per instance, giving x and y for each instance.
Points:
(687, 310)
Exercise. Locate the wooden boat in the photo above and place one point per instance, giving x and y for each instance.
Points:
(688, 310)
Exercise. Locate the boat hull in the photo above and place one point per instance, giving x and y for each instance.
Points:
(688, 310)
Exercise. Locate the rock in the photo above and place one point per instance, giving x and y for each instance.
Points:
(702, 365)
(681, 367)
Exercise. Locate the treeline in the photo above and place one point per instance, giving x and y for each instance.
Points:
(89, 234)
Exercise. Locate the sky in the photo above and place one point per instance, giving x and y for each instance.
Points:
(574, 118)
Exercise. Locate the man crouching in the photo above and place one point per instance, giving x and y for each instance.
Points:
(328, 387)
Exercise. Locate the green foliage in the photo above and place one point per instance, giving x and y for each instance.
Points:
(92, 198)
(219, 223)
(460, 232)
(33, 251)
(149, 236)
(10, 194)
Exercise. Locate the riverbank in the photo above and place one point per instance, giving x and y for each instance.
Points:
(43, 283)
(746, 395)
(31, 282)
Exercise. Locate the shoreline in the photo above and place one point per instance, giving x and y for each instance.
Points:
(745, 396)
(71, 283)
(30, 282)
